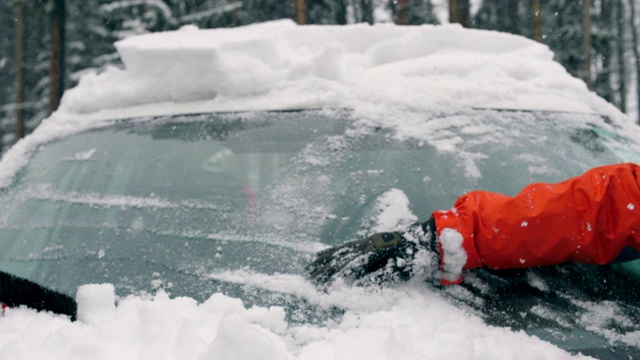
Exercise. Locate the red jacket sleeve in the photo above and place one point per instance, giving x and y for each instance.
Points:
(586, 219)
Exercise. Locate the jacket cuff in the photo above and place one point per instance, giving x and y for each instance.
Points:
(456, 246)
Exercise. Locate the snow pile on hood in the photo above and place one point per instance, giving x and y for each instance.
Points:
(280, 65)
(386, 325)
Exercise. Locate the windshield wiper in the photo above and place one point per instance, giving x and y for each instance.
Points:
(16, 291)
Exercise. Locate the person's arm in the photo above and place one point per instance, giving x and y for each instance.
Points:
(586, 219)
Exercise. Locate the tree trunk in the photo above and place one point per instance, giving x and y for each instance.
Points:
(402, 12)
(56, 69)
(514, 16)
(341, 13)
(367, 11)
(622, 71)
(634, 46)
(453, 11)
(234, 14)
(537, 29)
(603, 77)
(501, 15)
(300, 7)
(19, 70)
(464, 13)
(586, 42)
(459, 12)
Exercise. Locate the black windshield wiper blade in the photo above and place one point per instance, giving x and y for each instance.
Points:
(16, 291)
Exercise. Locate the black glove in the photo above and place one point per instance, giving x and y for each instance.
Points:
(381, 257)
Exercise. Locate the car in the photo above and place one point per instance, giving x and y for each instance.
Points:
(195, 185)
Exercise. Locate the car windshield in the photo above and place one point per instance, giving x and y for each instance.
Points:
(173, 202)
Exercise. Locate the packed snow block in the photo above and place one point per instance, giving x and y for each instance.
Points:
(236, 338)
(96, 303)
(418, 66)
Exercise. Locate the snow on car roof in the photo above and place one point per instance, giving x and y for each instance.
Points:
(280, 65)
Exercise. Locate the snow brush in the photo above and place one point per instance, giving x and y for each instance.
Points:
(16, 291)
(380, 258)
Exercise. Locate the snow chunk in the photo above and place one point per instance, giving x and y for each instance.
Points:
(237, 339)
(96, 303)
(455, 256)
(393, 212)
(537, 282)
(630, 206)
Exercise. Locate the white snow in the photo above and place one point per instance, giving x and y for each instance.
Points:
(48, 192)
(274, 65)
(83, 155)
(405, 323)
(393, 212)
(386, 75)
(453, 254)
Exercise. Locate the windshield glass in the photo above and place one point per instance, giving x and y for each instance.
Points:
(170, 202)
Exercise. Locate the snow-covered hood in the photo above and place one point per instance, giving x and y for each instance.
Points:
(280, 65)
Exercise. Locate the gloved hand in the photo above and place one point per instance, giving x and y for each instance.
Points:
(381, 257)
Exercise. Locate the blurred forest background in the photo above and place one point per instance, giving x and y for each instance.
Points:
(46, 45)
